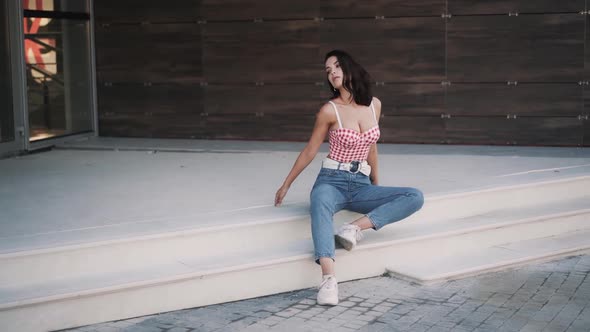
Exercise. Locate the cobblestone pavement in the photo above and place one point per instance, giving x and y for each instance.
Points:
(553, 296)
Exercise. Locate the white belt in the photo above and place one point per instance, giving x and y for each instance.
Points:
(352, 167)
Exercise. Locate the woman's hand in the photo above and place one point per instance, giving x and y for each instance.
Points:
(281, 193)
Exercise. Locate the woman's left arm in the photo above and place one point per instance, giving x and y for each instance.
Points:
(372, 158)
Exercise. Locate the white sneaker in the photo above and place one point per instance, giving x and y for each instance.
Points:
(348, 235)
(328, 293)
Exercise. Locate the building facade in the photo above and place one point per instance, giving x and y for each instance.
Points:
(447, 71)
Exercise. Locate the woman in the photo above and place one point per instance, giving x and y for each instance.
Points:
(349, 175)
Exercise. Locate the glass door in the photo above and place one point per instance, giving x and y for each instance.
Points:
(10, 138)
(59, 79)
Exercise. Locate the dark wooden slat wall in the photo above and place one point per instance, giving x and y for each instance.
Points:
(391, 50)
(489, 7)
(279, 52)
(557, 131)
(133, 11)
(587, 45)
(247, 10)
(388, 8)
(412, 99)
(501, 99)
(447, 71)
(586, 114)
(534, 48)
(149, 53)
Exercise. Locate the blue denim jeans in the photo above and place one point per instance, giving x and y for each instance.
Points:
(335, 190)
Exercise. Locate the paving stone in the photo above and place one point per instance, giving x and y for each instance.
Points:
(533, 326)
(262, 314)
(355, 325)
(338, 321)
(271, 321)
(445, 323)
(138, 328)
(376, 327)
(348, 315)
(420, 327)
(515, 323)
(367, 304)
(304, 315)
(104, 328)
(437, 328)
(485, 328)
(374, 300)
(337, 309)
(301, 307)
(323, 319)
(288, 313)
(347, 304)
(366, 318)
(554, 296)
(326, 314)
(177, 329)
(373, 313)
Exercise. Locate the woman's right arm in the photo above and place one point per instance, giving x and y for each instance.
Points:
(324, 119)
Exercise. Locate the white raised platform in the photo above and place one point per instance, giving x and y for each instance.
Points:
(134, 232)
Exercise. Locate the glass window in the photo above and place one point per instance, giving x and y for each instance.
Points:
(6, 106)
(57, 5)
(57, 57)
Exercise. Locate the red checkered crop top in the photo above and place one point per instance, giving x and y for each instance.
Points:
(348, 145)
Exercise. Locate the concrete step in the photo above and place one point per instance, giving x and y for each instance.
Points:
(270, 228)
(192, 281)
(464, 204)
(429, 269)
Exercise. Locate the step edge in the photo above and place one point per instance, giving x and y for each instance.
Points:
(483, 190)
(491, 267)
(266, 262)
(467, 230)
(138, 238)
(152, 282)
(184, 233)
(206, 229)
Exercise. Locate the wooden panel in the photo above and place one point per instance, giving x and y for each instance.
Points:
(146, 10)
(353, 8)
(586, 112)
(156, 99)
(251, 9)
(412, 129)
(124, 125)
(272, 127)
(520, 6)
(520, 131)
(267, 99)
(525, 48)
(392, 50)
(587, 48)
(522, 99)
(149, 53)
(407, 99)
(178, 125)
(269, 51)
(411, 99)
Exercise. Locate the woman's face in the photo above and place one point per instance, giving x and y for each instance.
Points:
(334, 72)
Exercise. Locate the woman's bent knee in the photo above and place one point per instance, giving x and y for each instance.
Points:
(418, 196)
